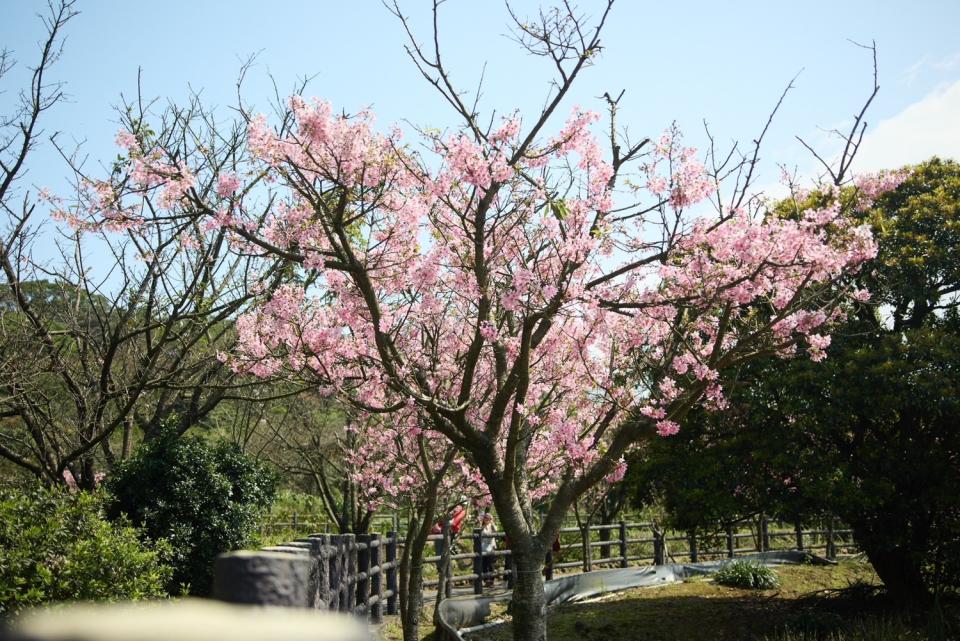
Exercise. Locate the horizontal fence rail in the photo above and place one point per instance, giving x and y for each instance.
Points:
(359, 573)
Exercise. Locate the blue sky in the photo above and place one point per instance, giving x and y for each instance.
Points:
(683, 60)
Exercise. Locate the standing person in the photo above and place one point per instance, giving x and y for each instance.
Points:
(488, 544)
(457, 518)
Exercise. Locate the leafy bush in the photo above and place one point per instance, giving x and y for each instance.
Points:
(203, 500)
(747, 574)
(57, 546)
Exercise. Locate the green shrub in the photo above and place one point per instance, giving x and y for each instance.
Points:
(203, 500)
(747, 574)
(57, 546)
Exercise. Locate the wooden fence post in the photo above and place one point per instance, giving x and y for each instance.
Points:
(692, 539)
(831, 543)
(376, 581)
(731, 542)
(623, 544)
(392, 572)
(363, 573)
(798, 528)
(478, 560)
(659, 553)
(764, 536)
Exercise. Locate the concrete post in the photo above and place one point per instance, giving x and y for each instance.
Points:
(363, 574)
(376, 581)
(350, 576)
(335, 560)
(262, 578)
(321, 552)
(392, 584)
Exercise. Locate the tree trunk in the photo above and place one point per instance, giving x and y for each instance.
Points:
(411, 582)
(900, 573)
(604, 535)
(411, 567)
(443, 576)
(404, 571)
(586, 551)
(412, 588)
(896, 545)
(529, 603)
(127, 448)
(88, 479)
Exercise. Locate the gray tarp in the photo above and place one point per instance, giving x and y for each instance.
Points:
(460, 614)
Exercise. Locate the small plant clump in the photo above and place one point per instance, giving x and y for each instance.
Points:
(747, 574)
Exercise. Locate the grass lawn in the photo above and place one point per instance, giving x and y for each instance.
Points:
(807, 604)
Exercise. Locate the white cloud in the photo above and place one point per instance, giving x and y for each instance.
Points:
(928, 127)
(928, 64)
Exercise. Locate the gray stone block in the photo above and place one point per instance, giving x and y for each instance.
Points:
(263, 578)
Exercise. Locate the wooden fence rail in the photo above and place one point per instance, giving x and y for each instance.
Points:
(358, 573)
(626, 543)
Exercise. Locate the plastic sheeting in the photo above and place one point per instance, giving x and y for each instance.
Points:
(460, 615)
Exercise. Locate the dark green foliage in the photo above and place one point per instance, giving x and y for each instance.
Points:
(203, 500)
(744, 573)
(870, 434)
(57, 546)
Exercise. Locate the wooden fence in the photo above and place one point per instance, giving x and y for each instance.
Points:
(621, 544)
(358, 573)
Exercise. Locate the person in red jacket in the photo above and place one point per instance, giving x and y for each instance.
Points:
(457, 520)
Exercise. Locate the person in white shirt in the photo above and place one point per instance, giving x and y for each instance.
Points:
(488, 544)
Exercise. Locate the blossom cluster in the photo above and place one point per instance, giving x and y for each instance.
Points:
(487, 290)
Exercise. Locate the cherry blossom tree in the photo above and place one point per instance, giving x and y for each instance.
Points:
(401, 463)
(510, 294)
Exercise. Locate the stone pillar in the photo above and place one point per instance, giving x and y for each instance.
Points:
(321, 552)
(262, 578)
(363, 574)
(376, 580)
(392, 586)
(350, 574)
